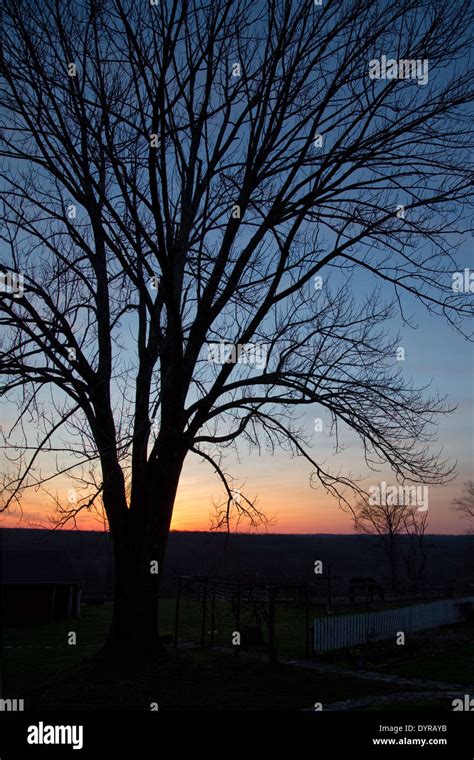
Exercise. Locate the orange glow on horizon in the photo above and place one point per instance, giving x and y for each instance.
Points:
(290, 507)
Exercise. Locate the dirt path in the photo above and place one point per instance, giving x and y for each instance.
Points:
(387, 699)
(373, 675)
(428, 689)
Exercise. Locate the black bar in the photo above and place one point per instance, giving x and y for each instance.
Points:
(352, 732)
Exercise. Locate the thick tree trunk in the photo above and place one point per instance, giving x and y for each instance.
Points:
(139, 550)
(134, 629)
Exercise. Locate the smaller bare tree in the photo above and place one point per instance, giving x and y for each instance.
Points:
(464, 504)
(414, 555)
(386, 522)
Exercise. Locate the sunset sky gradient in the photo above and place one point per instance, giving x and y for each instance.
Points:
(434, 353)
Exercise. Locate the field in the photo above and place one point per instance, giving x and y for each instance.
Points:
(39, 666)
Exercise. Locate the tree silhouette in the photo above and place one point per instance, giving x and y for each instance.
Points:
(464, 504)
(388, 522)
(183, 173)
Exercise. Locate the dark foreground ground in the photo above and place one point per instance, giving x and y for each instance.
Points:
(40, 667)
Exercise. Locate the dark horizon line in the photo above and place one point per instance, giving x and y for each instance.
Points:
(230, 533)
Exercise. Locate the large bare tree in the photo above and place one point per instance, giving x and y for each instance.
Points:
(179, 173)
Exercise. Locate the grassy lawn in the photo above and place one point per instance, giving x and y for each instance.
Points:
(290, 624)
(40, 666)
(453, 666)
(201, 680)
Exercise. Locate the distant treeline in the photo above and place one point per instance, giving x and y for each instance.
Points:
(87, 555)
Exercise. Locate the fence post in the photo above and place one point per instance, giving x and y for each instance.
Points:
(204, 600)
(176, 616)
(237, 617)
(307, 650)
(329, 602)
(213, 609)
(272, 655)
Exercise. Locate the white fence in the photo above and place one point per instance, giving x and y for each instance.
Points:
(338, 631)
